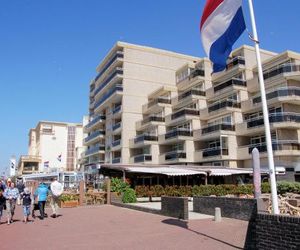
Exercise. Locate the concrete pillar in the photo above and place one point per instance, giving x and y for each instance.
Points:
(256, 173)
(81, 192)
(218, 217)
(108, 196)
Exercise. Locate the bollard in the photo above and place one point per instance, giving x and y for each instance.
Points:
(218, 216)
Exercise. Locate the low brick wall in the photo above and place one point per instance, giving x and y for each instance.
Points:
(175, 207)
(274, 232)
(236, 208)
(142, 209)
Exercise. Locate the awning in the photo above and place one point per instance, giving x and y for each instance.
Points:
(165, 171)
(226, 172)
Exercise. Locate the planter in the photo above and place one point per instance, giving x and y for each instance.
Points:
(68, 204)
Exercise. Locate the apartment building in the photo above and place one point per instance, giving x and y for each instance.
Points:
(125, 79)
(53, 146)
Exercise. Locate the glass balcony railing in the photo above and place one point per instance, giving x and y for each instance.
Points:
(185, 112)
(116, 126)
(118, 71)
(94, 150)
(280, 69)
(276, 146)
(218, 127)
(175, 155)
(191, 92)
(108, 94)
(178, 132)
(142, 138)
(94, 121)
(119, 54)
(274, 118)
(153, 118)
(196, 72)
(116, 143)
(94, 135)
(159, 100)
(116, 160)
(214, 152)
(224, 104)
(239, 60)
(282, 92)
(233, 81)
(142, 158)
(117, 109)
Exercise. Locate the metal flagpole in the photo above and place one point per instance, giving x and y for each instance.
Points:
(265, 113)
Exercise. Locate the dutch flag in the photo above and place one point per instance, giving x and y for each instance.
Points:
(221, 25)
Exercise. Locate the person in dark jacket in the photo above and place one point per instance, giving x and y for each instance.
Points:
(26, 197)
(2, 204)
(20, 187)
(41, 192)
(2, 185)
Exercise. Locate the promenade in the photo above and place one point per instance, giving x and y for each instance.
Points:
(110, 227)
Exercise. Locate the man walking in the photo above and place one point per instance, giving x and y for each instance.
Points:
(56, 190)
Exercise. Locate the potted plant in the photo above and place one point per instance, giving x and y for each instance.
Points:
(69, 200)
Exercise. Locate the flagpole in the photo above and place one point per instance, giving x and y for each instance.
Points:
(272, 172)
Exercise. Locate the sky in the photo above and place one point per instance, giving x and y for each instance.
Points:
(49, 51)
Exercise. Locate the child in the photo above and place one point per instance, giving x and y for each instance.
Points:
(2, 204)
(26, 196)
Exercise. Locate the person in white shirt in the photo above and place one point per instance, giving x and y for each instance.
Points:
(56, 190)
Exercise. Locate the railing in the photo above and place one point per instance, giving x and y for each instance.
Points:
(159, 100)
(95, 120)
(94, 150)
(118, 71)
(116, 126)
(214, 151)
(276, 146)
(153, 118)
(178, 132)
(191, 92)
(233, 81)
(288, 91)
(175, 155)
(185, 112)
(235, 61)
(116, 160)
(116, 143)
(94, 135)
(119, 54)
(141, 138)
(218, 127)
(224, 104)
(108, 94)
(197, 72)
(280, 69)
(142, 158)
(117, 109)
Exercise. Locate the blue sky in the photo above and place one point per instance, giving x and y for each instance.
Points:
(49, 50)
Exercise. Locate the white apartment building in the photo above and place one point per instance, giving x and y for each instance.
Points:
(53, 146)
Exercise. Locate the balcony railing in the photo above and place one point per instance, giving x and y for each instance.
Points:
(185, 112)
(224, 104)
(116, 160)
(234, 81)
(197, 72)
(116, 126)
(276, 146)
(95, 120)
(153, 118)
(94, 150)
(142, 138)
(175, 155)
(239, 60)
(108, 94)
(159, 100)
(280, 69)
(117, 109)
(274, 118)
(142, 158)
(218, 127)
(94, 135)
(118, 71)
(116, 143)
(119, 54)
(214, 151)
(191, 92)
(178, 132)
(289, 91)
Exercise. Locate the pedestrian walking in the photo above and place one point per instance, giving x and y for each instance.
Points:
(2, 204)
(56, 191)
(11, 194)
(26, 200)
(2, 185)
(20, 187)
(41, 194)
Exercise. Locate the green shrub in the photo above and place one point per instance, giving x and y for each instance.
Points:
(117, 185)
(129, 196)
(157, 191)
(69, 197)
(265, 188)
(288, 187)
(141, 191)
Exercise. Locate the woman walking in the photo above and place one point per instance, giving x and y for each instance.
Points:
(41, 192)
(11, 194)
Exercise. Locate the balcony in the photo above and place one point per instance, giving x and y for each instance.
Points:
(178, 132)
(274, 118)
(142, 138)
(161, 100)
(217, 127)
(184, 112)
(174, 155)
(209, 152)
(116, 160)
(117, 71)
(116, 143)
(118, 55)
(142, 158)
(192, 92)
(153, 118)
(281, 69)
(94, 135)
(196, 72)
(282, 92)
(224, 104)
(238, 60)
(283, 145)
(94, 150)
(95, 121)
(232, 82)
(116, 126)
(108, 94)
(117, 109)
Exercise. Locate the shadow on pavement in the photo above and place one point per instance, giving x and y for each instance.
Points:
(184, 224)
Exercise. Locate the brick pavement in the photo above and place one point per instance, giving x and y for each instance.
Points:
(109, 227)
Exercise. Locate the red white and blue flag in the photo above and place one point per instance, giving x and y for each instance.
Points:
(221, 25)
